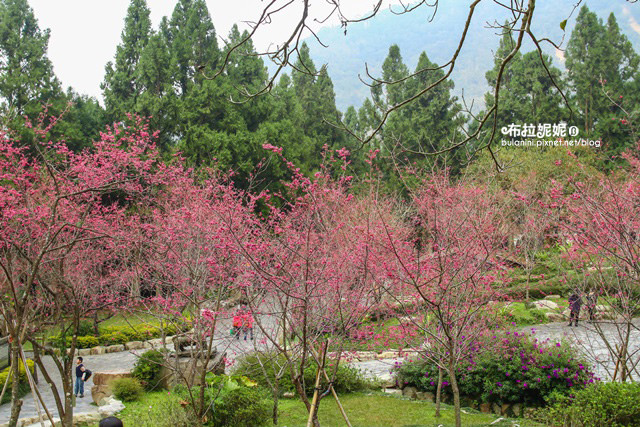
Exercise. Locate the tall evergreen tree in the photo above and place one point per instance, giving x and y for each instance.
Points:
(191, 38)
(26, 74)
(601, 66)
(157, 99)
(121, 87)
(585, 61)
(315, 93)
(432, 120)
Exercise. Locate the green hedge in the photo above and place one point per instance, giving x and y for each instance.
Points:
(23, 382)
(602, 404)
(113, 335)
(348, 378)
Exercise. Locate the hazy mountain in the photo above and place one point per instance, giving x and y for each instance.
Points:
(368, 42)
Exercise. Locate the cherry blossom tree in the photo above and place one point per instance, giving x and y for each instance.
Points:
(312, 276)
(61, 222)
(601, 225)
(446, 269)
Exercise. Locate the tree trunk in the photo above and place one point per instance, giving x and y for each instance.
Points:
(456, 393)
(16, 402)
(439, 392)
(276, 390)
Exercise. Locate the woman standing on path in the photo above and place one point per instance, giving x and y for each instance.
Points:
(575, 302)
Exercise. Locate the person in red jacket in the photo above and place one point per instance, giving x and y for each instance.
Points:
(247, 324)
(237, 324)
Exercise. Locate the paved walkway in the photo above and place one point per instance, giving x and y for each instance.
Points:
(590, 342)
(584, 337)
(114, 361)
(587, 340)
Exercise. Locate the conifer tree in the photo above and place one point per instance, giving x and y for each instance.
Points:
(121, 86)
(26, 75)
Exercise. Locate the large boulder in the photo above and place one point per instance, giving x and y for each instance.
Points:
(187, 370)
(545, 305)
(101, 390)
(555, 317)
(410, 392)
(106, 377)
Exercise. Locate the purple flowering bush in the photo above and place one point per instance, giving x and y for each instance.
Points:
(514, 367)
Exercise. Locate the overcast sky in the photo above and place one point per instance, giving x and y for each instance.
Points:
(85, 33)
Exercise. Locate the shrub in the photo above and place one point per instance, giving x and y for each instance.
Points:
(231, 401)
(127, 389)
(112, 335)
(85, 328)
(23, 383)
(518, 369)
(348, 379)
(147, 368)
(241, 407)
(610, 404)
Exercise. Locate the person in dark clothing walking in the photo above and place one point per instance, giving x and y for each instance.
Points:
(575, 302)
(80, 378)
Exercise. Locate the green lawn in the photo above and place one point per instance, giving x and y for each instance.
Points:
(384, 411)
(364, 410)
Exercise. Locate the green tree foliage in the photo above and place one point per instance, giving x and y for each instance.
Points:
(528, 92)
(26, 74)
(121, 87)
(84, 121)
(28, 84)
(601, 64)
(427, 124)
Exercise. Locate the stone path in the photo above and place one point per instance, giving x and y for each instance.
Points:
(584, 337)
(589, 342)
(114, 361)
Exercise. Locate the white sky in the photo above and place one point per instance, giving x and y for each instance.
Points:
(85, 33)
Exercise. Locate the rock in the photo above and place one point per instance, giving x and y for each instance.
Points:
(114, 348)
(288, 395)
(485, 408)
(410, 392)
(552, 297)
(425, 395)
(516, 410)
(96, 350)
(112, 407)
(84, 352)
(555, 317)
(185, 366)
(496, 409)
(545, 305)
(106, 377)
(100, 394)
(86, 418)
(388, 380)
(364, 356)
(603, 308)
(134, 345)
(388, 355)
(504, 409)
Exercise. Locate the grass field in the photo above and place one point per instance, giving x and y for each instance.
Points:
(364, 410)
